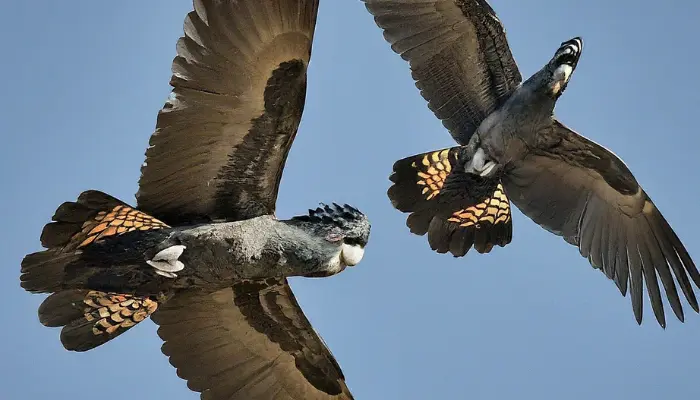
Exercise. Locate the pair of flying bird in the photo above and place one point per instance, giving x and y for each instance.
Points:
(203, 254)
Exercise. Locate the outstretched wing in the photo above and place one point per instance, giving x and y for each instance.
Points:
(239, 85)
(581, 191)
(250, 341)
(458, 53)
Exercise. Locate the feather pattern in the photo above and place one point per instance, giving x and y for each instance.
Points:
(581, 191)
(458, 53)
(248, 341)
(223, 136)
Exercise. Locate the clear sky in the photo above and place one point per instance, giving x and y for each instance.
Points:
(82, 84)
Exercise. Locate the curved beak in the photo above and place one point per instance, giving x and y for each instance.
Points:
(351, 255)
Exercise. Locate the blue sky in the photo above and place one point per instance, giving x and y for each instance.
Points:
(81, 89)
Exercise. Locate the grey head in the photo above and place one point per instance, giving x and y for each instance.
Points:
(562, 65)
(343, 226)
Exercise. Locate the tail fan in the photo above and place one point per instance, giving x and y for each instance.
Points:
(456, 209)
(94, 216)
(91, 318)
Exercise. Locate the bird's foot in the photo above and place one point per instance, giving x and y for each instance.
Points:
(488, 167)
(480, 164)
(166, 261)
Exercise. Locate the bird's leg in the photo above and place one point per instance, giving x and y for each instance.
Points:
(480, 164)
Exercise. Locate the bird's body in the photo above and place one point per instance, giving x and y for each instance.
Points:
(202, 252)
(521, 124)
(213, 256)
(260, 247)
(507, 133)
(513, 148)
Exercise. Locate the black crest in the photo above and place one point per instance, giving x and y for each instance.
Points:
(337, 214)
(351, 221)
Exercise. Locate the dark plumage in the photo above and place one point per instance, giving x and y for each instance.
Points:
(202, 253)
(512, 147)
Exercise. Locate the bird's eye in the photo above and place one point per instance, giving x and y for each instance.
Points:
(334, 237)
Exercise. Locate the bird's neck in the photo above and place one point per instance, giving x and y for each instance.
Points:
(533, 97)
(529, 109)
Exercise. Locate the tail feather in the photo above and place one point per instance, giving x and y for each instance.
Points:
(456, 209)
(418, 179)
(57, 234)
(91, 318)
(71, 218)
(419, 221)
(43, 272)
(94, 216)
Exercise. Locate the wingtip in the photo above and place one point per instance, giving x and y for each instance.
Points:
(694, 306)
(678, 310)
(637, 315)
(661, 321)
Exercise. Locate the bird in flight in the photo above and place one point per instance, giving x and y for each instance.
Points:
(513, 148)
(202, 252)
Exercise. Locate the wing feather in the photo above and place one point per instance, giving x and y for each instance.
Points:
(582, 192)
(458, 53)
(239, 86)
(248, 341)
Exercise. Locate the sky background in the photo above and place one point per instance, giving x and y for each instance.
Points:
(82, 84)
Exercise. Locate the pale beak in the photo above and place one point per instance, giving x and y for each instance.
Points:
(351, 255)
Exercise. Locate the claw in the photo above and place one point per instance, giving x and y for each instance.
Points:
(488, 167)
(479, 164)
(166, 274)
(166, 261)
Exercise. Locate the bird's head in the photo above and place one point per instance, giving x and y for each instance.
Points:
(563, 64)
(343, 226)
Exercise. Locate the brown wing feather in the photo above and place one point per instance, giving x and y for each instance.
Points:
(581, 191)
(222, 138)
(248, 341)
(458, 53)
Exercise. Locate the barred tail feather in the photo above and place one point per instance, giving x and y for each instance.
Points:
(89, 318)
(418, 179)
(70, 217)
(456, 209)
(95, 215)
(92, 318)
(482, 228)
